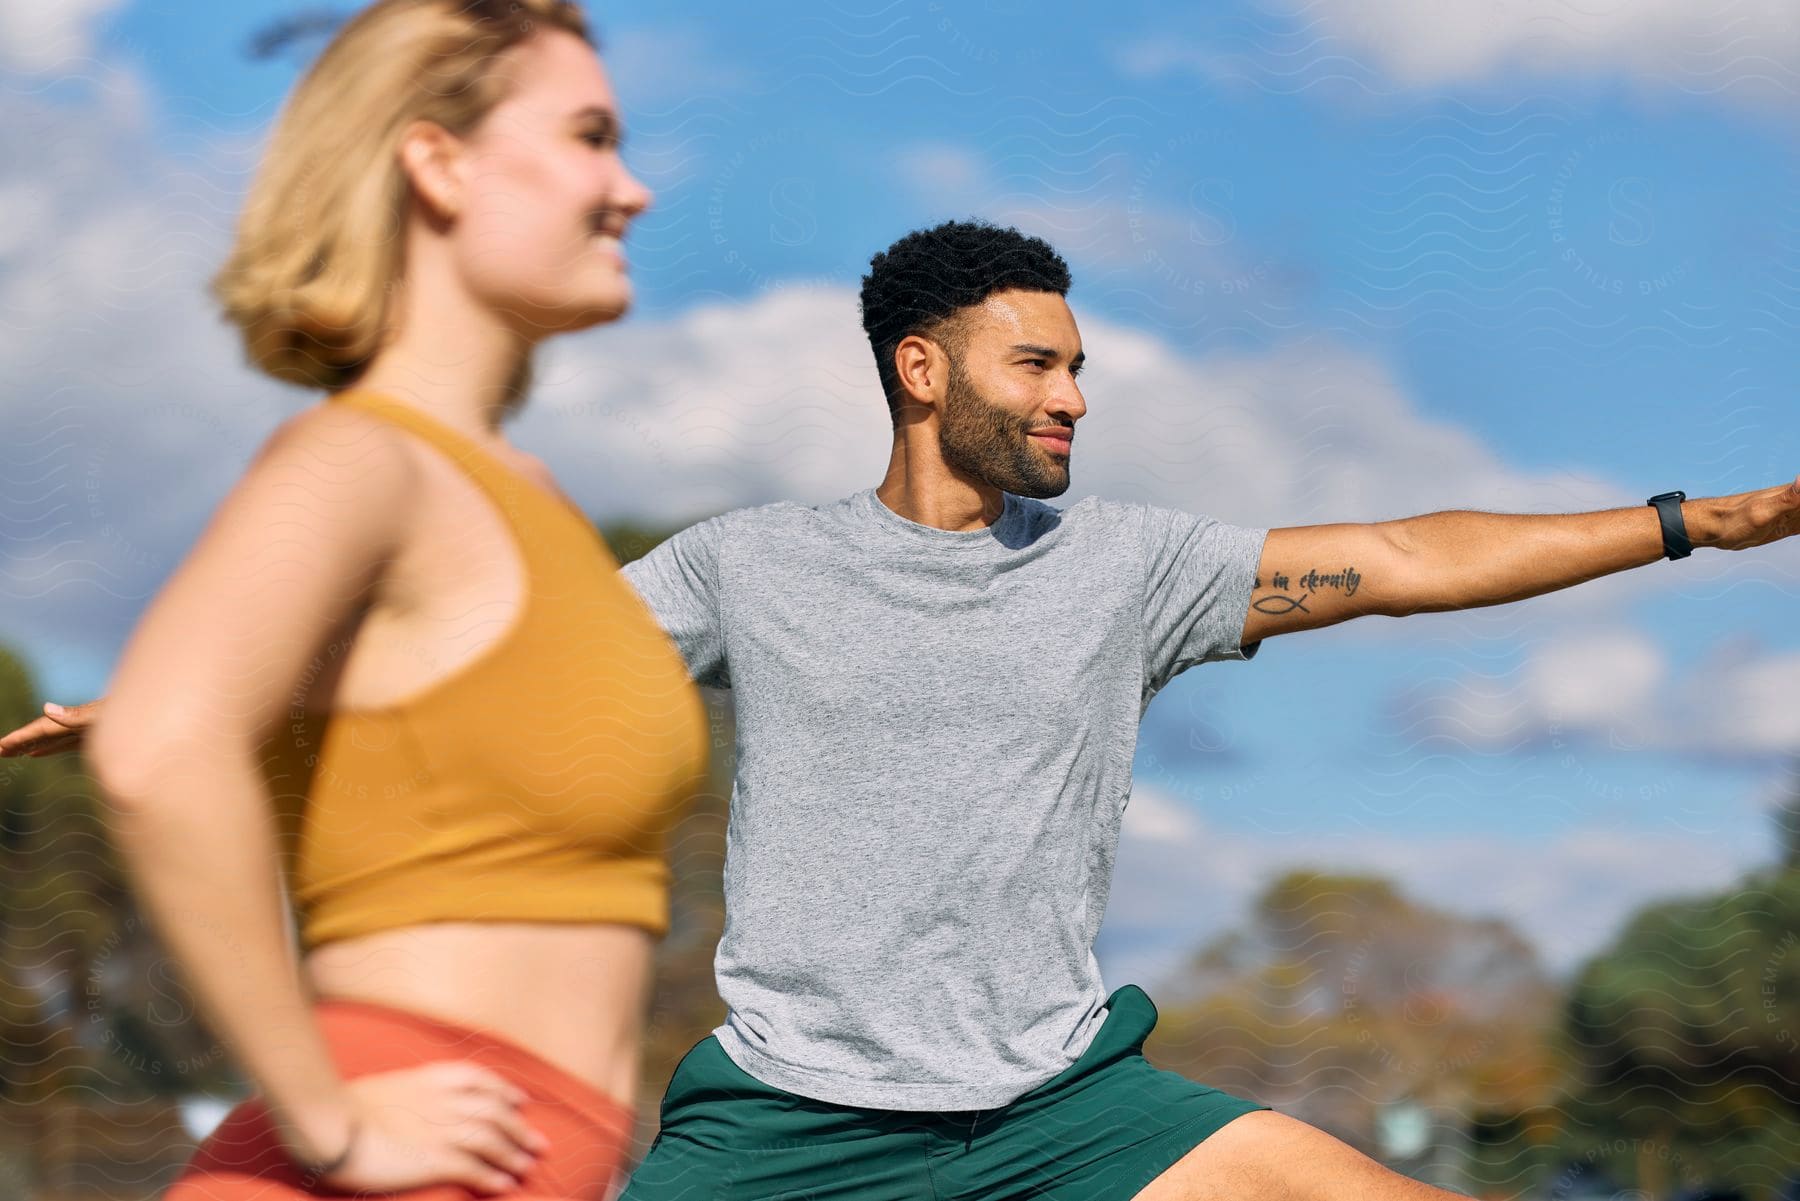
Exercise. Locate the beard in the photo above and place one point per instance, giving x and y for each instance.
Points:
(981, 439)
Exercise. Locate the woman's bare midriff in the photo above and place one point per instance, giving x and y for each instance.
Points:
(575, 993)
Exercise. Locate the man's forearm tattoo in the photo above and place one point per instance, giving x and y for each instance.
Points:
(1346, 581)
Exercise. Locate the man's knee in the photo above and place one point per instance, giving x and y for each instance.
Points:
(1273, 1157)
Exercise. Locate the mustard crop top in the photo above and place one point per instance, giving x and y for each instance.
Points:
(536, 783)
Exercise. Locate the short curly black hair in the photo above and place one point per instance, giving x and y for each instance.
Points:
(926, 277)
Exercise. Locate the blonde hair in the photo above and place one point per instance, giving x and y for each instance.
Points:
(311, 277)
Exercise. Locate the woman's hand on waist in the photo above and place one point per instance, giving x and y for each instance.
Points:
(450, 1121)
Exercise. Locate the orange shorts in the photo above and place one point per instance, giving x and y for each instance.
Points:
(590, 1133)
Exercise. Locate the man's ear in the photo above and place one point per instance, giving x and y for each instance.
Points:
(922, 369)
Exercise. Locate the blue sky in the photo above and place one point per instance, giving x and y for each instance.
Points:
(1527, 258)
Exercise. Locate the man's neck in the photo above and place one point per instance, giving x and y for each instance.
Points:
(924, 489)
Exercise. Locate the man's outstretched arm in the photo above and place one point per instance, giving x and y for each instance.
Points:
(1318, 575)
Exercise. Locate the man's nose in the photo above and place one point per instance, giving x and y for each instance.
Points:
(1067, 400)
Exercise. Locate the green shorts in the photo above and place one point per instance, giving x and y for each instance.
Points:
(1103, 1129)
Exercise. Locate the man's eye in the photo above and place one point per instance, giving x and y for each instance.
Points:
(600, 141)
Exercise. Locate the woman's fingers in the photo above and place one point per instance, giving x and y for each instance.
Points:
(474, 1172)
(522, 1133)
(468, 1076)
(488, 1139)
(39, 736)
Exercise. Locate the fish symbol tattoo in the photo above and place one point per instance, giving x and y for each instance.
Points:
(1278, 606)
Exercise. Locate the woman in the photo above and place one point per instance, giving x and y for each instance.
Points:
(398, 640)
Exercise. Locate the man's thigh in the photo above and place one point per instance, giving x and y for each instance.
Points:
(1273, 1157)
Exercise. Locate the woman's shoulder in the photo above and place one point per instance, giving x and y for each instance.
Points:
(329, 467)
(331, 433)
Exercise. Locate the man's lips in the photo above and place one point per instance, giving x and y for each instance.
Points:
(1055, 440)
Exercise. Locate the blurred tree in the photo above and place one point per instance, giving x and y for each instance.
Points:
(1687, 1037)
(89, 1004)
(57, 888)
(1340, 997)
(631, 540)
(1787, 821)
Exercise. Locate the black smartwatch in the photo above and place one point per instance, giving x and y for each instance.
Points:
(1674, 529)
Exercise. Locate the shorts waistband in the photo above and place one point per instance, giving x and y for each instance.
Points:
(707, 1069)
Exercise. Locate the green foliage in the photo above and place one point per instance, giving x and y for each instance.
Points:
(1787, 822)
(90, 1004)
(1687, 1036)
(630, 541)
(55, 879)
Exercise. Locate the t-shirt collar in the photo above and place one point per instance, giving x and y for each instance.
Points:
(873, 506)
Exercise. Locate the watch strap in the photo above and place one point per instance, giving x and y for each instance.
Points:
(1674, 529)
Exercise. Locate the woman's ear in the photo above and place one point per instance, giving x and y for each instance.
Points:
(432, 158)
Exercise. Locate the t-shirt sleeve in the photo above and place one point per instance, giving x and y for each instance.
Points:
(679, 581)
(1199, 574)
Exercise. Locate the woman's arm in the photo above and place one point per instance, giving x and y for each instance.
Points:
(288, 559)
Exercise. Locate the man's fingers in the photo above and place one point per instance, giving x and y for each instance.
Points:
(60, 729)
(34, 736)
(76, 717)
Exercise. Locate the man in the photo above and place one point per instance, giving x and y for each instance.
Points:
(938, 683)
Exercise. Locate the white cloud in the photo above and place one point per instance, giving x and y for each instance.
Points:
(1179, 881)
(1617, 688)
(1155, 816)
(1168, 243)
(777, 396)
(127, 416)
(654, 67)
(41, 36)
(130, 373)
(1740, 48)
(953, 176)
(130, 414)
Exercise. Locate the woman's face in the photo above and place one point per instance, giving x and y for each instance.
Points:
(545, 198)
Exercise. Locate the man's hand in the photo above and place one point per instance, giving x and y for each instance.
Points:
(60, 729)
(1745, 520)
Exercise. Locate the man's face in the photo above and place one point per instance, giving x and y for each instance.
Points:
(1011, 400)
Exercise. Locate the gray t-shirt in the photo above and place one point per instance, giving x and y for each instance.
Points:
(935, 737)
